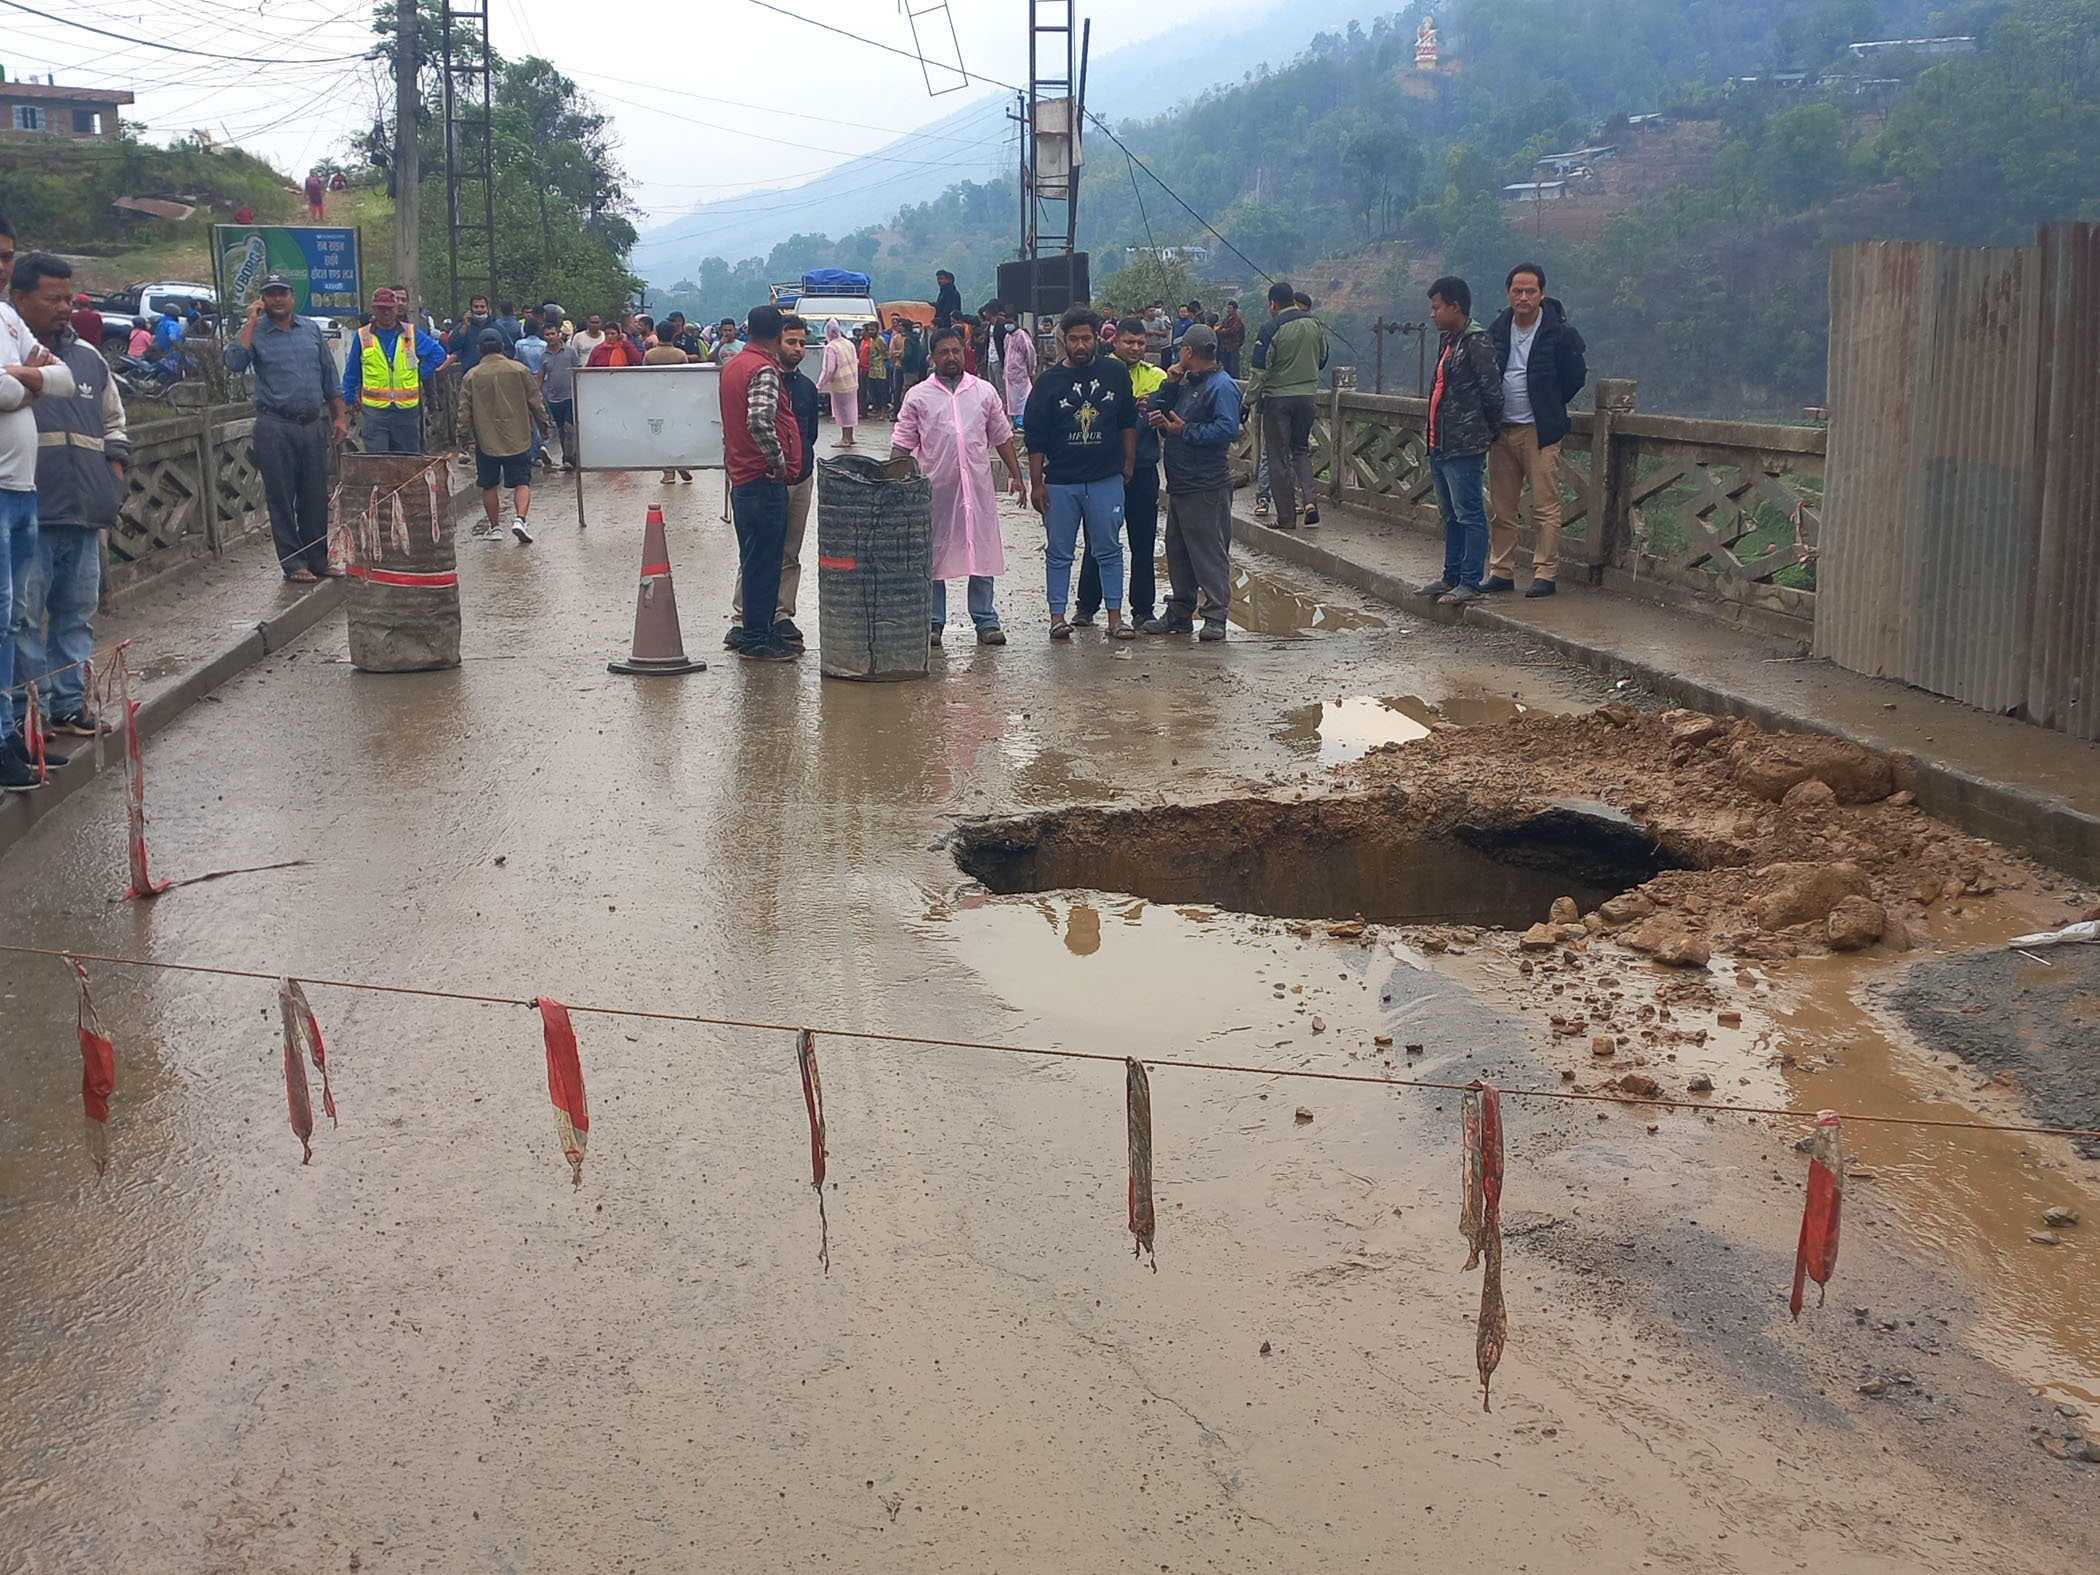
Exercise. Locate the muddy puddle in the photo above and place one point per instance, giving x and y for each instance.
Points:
(1264, 604)
(1342, 730)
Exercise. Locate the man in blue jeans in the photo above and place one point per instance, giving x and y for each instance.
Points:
(29, 374)
(762, 445)
(82, 451)
(1465, 413)
(1081, 424)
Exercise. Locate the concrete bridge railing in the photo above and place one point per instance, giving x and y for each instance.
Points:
(1720, 516)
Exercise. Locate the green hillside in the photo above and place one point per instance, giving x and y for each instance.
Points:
(1697, 266)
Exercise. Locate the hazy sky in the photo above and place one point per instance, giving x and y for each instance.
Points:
(709, 100)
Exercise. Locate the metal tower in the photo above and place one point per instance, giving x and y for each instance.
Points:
(1051, 117)
(470, 184)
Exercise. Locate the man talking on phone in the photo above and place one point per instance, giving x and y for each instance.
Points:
(295, 380)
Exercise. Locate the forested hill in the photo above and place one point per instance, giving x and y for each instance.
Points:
(1695, 262)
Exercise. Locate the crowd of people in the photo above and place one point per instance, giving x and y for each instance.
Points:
(1083, 421)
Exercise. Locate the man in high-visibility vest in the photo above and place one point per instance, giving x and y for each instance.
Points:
(383, 376)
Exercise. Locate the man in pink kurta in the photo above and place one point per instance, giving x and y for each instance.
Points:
(953, 423)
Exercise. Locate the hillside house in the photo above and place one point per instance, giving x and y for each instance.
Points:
(44, 109)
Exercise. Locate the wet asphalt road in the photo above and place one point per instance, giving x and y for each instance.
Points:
(428, 1351)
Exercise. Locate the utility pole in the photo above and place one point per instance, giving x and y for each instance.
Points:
(408, 171)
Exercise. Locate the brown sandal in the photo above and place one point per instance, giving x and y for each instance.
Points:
(1122, 631)
(302, 577)
(1060, 630)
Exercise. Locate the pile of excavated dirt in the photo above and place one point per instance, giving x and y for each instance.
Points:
(1801, 844)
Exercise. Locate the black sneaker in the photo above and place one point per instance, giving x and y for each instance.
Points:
(1437, 588)
(771, 651)
(933, 637)
(1082, 620)
(1169, 626)
(991, 634)
(1312, 517)
(18, 747)
(77, 725)
(17, 775)
(1496, 583)
(785, 633)
(734, 639)
(1213, 629)
(1542, 588)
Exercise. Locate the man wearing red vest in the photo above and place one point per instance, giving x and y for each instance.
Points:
(763, 445)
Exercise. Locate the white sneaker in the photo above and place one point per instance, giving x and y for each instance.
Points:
(517, 529)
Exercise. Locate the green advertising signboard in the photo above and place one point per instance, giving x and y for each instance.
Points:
(321, 263)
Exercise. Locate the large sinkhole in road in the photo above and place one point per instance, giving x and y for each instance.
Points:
(1334, 858)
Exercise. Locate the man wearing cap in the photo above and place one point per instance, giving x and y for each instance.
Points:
(384, 377)
(499, 401)
(1197, 415)
(295, 380)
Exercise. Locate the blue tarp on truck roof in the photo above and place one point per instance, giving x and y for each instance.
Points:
(835, 281)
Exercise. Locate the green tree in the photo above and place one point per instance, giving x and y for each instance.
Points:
(1804, 155)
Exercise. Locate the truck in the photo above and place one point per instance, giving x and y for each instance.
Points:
(825, 293)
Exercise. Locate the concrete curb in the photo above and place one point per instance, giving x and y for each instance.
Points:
(2048, 828)
(21, 811)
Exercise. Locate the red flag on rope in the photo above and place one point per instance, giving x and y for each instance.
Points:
(98, 1072)
(1816, 1254)
(297, 1098)
(302, 1036)
(1137, 1103)
(813, 1102)
(33, 734)
(1480, 1220)
(319, 1051)
(565, 1083)
(142, 882)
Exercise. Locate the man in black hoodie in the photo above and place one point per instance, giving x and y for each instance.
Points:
(1541, 356)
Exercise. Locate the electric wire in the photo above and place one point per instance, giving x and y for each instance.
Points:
(177, 49)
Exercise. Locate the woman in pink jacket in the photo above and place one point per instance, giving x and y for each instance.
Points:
(840, 378)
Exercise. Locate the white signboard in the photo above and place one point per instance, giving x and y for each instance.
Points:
(649, 417)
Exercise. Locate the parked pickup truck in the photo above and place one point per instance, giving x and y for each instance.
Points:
(139, 306)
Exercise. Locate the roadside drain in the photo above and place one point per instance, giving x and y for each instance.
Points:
(1325, 859)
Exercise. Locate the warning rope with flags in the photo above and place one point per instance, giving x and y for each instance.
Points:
(1137, 1101)
(813, 1102)
(565, 1083)
(1480, 1220)
(1816, 1254)
(98, 1072)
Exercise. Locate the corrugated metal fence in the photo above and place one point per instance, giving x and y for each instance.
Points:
(1961, 528)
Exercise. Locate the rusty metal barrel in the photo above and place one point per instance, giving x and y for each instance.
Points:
(391, 527)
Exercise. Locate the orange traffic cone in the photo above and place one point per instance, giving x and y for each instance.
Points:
(658, 646)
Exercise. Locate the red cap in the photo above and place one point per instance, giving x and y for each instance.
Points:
(384, 296)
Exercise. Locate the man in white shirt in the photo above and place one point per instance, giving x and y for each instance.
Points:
(28, 372)
(1542, 369)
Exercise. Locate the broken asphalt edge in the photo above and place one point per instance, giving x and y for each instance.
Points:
(2045, 827)
(22, 811)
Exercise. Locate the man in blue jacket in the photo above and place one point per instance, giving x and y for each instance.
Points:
(384, 377)
(1197, 415)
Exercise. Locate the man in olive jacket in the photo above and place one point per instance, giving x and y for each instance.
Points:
(1465, 413)
(1541, 357)
(1288, 354)
(499, 405)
